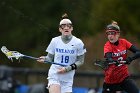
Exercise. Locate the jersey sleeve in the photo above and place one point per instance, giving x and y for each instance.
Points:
(128, 44)
(51, 48)
(81, 49)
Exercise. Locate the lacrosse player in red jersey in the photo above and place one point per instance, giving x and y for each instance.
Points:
(117, 77)
(65, 49)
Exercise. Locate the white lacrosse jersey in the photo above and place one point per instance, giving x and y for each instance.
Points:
(64, 54)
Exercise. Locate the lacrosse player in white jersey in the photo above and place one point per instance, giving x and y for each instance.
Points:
(65, 49)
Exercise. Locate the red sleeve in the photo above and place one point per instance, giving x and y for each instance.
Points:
(128, 44)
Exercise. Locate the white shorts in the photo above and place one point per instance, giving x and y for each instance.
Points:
(65, 86)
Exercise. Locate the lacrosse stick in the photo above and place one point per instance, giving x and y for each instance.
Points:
(18, 55)
(104, 64)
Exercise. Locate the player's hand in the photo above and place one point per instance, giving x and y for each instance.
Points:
(128, 60)
(41, 59)
(61, 70)
(117, 63)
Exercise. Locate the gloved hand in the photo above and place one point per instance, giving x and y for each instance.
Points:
(117, 63)
(128, 60)
(109, 60)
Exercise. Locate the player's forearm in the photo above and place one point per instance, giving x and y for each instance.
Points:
(49, 57)
(77, 64)
(136, 52)
(136, 55)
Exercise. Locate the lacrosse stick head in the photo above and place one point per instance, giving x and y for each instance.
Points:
(101, 63)
(11, 54)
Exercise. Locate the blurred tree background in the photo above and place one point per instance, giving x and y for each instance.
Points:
(28, 26)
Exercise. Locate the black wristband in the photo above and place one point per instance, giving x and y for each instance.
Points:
(73, 66)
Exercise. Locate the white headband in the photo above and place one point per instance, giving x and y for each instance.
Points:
(65, 21)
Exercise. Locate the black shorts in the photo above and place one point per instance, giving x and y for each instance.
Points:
(128, 85)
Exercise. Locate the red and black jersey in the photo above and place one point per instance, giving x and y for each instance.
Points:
(116, 74)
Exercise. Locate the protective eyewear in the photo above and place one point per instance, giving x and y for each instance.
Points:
(111, 32)
(65, 25)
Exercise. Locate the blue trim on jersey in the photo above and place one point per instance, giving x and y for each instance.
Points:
(65, 51)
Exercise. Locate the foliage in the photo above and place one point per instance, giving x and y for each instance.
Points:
(29, 25)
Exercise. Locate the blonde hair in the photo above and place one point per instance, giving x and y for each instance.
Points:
(65, 19)
(65, 16)
(113, 26)
(114, 22)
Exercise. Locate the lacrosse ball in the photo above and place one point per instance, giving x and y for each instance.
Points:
(9, 53)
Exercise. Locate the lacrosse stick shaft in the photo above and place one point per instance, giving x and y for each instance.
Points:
(55, 63)
(104, 64)
(25, 56)
(31, 57)
(120, 63)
